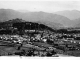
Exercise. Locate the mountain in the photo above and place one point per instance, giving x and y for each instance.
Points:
(71, 14)
(43, 17)
(7, 14)
(51, 24)
(76, 22)
(47, 17)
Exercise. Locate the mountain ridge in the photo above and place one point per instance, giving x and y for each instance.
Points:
(71, 14)
(48, 18)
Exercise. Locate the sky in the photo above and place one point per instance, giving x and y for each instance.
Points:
(46, 6)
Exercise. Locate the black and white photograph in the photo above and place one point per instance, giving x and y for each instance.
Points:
(40, 28)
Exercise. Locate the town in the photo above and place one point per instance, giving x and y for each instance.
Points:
(34, 39)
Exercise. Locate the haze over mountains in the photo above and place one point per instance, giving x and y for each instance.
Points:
(42, 17)
(71, 14)
(50, 19)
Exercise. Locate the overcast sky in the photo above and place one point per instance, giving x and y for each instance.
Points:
(46, 6)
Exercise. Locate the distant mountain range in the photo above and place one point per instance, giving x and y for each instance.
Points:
(43, 17)
(71, 14)
(50, 19)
